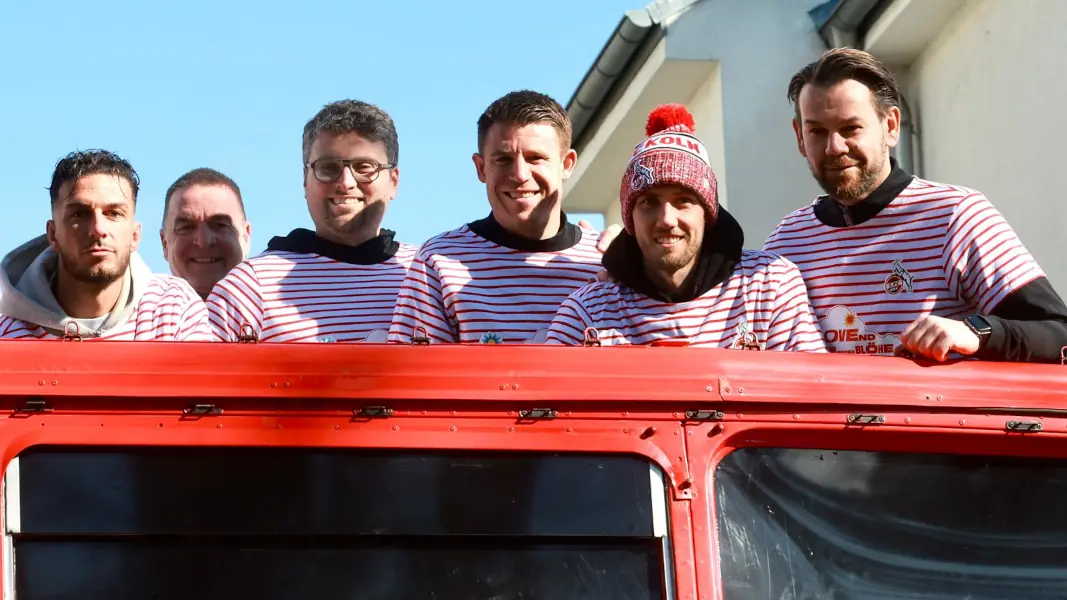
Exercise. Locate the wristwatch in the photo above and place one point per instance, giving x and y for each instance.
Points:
(981, 328)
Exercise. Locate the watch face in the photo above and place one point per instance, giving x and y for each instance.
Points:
(979, 324)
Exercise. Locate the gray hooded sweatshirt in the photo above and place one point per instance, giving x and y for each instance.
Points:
(26, 276)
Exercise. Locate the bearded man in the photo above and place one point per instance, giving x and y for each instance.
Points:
(894, 263)
(679, 271)
(84, 277)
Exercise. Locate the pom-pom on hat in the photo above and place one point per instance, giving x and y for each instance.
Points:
(669, 155)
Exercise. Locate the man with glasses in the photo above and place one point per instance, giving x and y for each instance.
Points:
(338, 283)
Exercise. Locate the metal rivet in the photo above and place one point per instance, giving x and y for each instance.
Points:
(907, 419)
(795, 417)
(569, 430)
(286, 384)
(740, 390)
(40, 383)
(452, 428)
(396, 428)
(160, 424)
(54, 382)
(626, 430)
(503, 386)
(708, 389)
(219, 426)
(515, 386)
(511, 429)
(963, 422)
(273, 385)
(336, 427)
(728, 390)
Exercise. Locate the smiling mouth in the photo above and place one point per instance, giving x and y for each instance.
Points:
(522, 195)
(205, 261)
(346, 201)
(668, 240)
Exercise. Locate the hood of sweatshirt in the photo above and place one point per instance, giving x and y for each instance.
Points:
(26, 276)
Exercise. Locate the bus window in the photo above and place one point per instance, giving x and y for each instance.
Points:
(121, 523)
(806, 524)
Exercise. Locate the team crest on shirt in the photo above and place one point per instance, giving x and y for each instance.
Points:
(899, 281)
(491, 338)
(746, 339)
(643, 177)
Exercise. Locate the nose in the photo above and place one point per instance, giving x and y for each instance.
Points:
(203, 237)
(98, 226)
(521, 170)
(347, 180)
(667, 217)
(835, 144)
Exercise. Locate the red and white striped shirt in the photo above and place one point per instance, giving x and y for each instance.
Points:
(762, 303)
(169, 310)
(305, 297)
(934, 250)
(465, 288)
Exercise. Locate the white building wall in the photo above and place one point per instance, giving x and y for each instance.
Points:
(758, 45)
(991, 96)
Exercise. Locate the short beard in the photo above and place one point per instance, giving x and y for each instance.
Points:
(99, 275)
(853, 191)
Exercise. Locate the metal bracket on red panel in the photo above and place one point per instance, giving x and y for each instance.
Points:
(1023, 426)
(591, 337)
(247, 335)
(35, 405)
(538, 414)
(419, 337)
(72, 332)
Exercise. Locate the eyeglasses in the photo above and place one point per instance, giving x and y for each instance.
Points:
(329, 170)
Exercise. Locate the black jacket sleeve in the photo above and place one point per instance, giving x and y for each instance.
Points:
(1029, 325)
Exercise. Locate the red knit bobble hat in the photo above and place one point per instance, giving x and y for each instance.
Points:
(671, 154)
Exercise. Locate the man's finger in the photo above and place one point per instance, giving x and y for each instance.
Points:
(608, 236)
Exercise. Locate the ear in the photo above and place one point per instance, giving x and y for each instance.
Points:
(163, 240)
(570, 160)
(50, 232)
(394, 179)
(136, 241)
(479, 165)
(800, 138)
(892, 126)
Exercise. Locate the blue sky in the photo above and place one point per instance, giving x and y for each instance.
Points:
(229, 84)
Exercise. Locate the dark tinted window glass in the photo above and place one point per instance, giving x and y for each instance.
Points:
(139, 569)
(234, 523)
(806, 524)
(304, 491)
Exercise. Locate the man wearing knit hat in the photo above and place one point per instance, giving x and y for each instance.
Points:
(679, 271)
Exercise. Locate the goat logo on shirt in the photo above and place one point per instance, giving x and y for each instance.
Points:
(900, 280)
(643, 177)
(746, 339)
